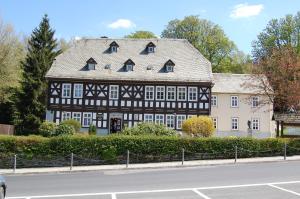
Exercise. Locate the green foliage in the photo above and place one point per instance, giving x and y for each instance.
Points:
(76, 125)
(141, 35)
(148, 129)
(64, 129)
(202, 126)
(47, 129)
(92, 130)
(109, 154)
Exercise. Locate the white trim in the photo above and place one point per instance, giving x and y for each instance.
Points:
(110, 92)
(237, 101)
(84, 117)
(63, 89)
(150, 119)
(171, 118)
(179, 87)
(258, 124)
(77, 117)
(252, 97)
(164, 92)
(64, 117)
(74, 90)
(174, 91)
(237, 123)
(153, 93)
(114, 49)
(216, 100)
(183, 118)
(189, 92)
(152, 49)
(158, 120)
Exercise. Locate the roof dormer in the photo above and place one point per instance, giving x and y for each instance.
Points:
(150, 47)
(91, 64)
(169, 66)
(113, 47)
(129, 65)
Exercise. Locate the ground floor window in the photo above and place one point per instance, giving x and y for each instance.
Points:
(66, 116)
(148, 118)
(77, 116)
(87, 119)
(170, 123)
(180, 120)
(234, 123)
(159, 119)
(255, 124)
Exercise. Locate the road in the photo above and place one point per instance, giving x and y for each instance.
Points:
(255, 180)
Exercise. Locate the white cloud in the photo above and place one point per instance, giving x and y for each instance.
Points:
(122, 23)
(245, 10)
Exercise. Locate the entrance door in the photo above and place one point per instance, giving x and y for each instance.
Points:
(115, 125)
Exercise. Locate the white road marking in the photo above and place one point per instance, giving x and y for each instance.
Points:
(113, 196)
(156, 191)
(286, 190)
(201, 194)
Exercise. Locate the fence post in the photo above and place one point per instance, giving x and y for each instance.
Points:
(15, 163)
(72, 158)
(127, 160)
(182, 160)
(285, 146)
(235, 154)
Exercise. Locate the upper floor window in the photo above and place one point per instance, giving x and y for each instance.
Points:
(171, 93)
(170, 122)
(129, 65)
(113, 47)
(234, 123)
(66, 90)
(255, 101)
(87, 119)
(150, 47)
(65, 116)
(181, 93)
(214, 100)
(149, 93)
(234, 101)
(113, 92)
(148, 118)
(180, 120)
(193, 92)
(78, 90)
(160, 92)
(159, 119)
(169, 66)
(91, 63)
(255, 124)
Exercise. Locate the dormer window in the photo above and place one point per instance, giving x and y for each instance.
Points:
(169, 66)
(150, 47)
(129, 65)
(113, 47)
(91, 64)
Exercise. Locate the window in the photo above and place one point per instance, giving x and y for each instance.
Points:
(169, 68)
(65, 116)
(150, 49)
(159, 119)
(215, 121)
(255, 124)
(91, 66)
(234, 101)
(129, 67)
(171, 93)
(160, 92)
(78, 89)
(193, 93)
(170, 121)
(113, 49)
(234, 123)
(180, 119)
(214, 100)
(149, 93)
(87, 119)
(148, 118)
(255, 101)
(66, 90)
(77, 116)
(181, 93)
(113, 92)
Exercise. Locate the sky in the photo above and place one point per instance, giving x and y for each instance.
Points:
(241, 21)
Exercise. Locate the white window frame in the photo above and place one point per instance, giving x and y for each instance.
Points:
(129, 67)
(116, 92)
(179, 120)
(76, 90)
(152, 91)
(91, 66)
(170, 121)
(194, 92)
(170, 68)
(172, 90)
(74, 117)
(252, 101)
(160, 89)
(257, 124)
(237, 123)
(150, 49)
(89, 116)
(232, 100)
(114, 49)
(178, 93)
(69, 90)
(214, 100)
(65, 115)
(159, 119)
(215, 122)
(148, 118)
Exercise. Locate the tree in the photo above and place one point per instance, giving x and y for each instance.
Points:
(201, 126)
(207, 37)
(32, 97)
(141, 35)
(64, 45)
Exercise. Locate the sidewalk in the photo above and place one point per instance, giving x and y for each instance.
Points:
(147, 165)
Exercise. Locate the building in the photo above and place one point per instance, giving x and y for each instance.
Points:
(237, 103)
(113, 83)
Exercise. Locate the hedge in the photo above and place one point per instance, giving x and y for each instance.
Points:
(144, 147)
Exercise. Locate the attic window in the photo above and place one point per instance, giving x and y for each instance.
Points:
(91, 64)
(169, 66)
(129, 65)
(150, 47)
(113, 47)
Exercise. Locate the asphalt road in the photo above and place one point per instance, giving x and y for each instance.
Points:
(257, 180)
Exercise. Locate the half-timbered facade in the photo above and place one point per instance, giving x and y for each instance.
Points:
(116, 83)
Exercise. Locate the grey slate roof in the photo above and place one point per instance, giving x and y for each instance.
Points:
(190, 65)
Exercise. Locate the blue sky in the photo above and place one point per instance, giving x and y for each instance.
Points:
(241, 20)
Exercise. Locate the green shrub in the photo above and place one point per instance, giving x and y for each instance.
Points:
(64, 129)
(201, 126)
(73, 123)
(92, 130)
(109, 154)
(47, 129)
(148, 129)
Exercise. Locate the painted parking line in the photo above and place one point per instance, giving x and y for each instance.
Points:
(283, 189)
(194, 189)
